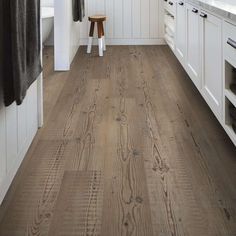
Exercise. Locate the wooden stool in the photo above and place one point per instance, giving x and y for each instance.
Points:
(101, 36)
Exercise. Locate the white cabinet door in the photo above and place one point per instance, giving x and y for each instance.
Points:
(211, 48)
(193, 45)
(180, 37)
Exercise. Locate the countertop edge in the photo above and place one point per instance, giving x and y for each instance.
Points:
(214, 9)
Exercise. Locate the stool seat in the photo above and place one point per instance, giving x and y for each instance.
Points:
(97, 18)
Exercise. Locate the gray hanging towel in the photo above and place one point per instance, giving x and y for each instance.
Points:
(78, 10)
(22, 19)
(6, 54)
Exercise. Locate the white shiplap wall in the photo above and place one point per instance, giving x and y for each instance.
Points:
(18, 126)
(129, 21)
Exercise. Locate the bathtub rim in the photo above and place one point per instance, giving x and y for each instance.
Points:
(47, 12)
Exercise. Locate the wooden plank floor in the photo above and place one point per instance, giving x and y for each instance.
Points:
(129, 147)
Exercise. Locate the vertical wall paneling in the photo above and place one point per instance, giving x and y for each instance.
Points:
(128, 21)
(100, 6)
(11, 135)
(31, 109)
(18, 126)
(2, 143)
(92, 7)
(145, 18)
(161, 31)
(85, 24)
(110, 18)
(21, 125)
(136, 17)
(127, 18)
(154, 26)
(118, 19)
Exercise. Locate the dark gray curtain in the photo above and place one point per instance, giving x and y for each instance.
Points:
(21, 53)
(78, 10)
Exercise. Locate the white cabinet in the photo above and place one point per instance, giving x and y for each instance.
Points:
(169, 6)
(199, 40)
(211, 50)
(193, 45)
(180, 36)
(229, 78)
(169, 23)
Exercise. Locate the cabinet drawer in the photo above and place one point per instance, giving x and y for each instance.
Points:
(169, 5)
(230, 41)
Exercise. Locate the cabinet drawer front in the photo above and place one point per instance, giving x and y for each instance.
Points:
(230, 41)
(169, 5)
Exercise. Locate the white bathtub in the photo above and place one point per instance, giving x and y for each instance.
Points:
(47, 21)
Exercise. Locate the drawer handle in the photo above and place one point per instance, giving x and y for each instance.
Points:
(232, 43)
(171, 3)
(181, 3)
(203, 15)
(195, 10)
(165, 0)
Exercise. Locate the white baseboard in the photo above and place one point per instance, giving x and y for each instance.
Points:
(158, 41)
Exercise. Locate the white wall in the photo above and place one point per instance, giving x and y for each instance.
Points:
(74, 38)
(129, 21)
(18, 126)
(47, 3)
(66, 35)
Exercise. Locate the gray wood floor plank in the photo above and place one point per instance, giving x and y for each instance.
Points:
(129, 147)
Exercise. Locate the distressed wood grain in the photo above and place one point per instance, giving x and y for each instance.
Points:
(129, 147)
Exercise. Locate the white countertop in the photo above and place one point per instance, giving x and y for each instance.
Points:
(226, 9)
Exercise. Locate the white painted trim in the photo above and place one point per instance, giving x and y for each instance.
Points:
(40, 100)
(61, 36)
(40, 82)
(66, 35)
(159, 41)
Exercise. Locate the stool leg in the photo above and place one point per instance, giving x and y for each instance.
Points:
(104, 43)
(90, 42)
(103, 38)
(100, 44)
